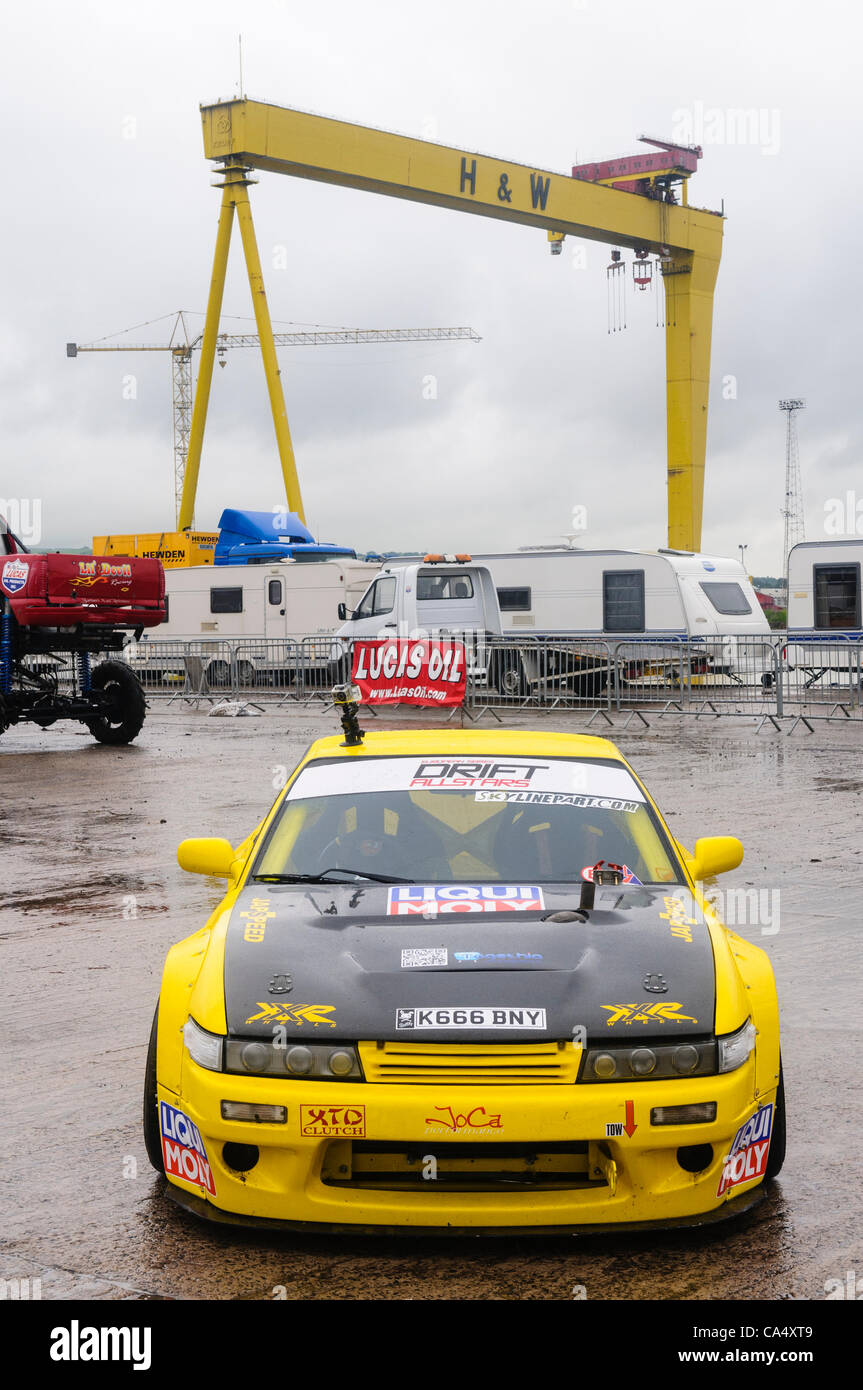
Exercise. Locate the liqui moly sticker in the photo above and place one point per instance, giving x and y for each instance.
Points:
(14, 576)
(183, 1148)
(420, 899)
(747, 1157)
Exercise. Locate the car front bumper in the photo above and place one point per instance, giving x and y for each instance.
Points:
(465, 1158)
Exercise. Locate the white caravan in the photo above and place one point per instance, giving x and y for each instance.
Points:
(254, 614)
(666, 593)
(825, 623)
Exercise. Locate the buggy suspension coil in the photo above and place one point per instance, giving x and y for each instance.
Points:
(6, 649)
(84, 672)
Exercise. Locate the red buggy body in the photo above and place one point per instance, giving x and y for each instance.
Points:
(56, 611)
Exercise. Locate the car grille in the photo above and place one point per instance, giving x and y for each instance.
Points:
(498, 1064)
(479, 1167)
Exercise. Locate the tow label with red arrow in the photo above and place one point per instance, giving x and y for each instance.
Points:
(613, 1130)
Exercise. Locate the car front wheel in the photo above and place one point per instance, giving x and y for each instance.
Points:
(776, 1157)
(152, 1136)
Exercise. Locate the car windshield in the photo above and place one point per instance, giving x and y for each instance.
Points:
(448, 820)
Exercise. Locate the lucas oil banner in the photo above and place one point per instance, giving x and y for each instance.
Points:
(401, 670)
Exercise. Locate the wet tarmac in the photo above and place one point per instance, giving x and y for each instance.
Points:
(92, 898)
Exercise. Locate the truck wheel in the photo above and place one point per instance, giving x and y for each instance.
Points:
(246, 673)
(218, 675)
(127, 707)
(509, 674)
(776, 1157)
(152, 1136)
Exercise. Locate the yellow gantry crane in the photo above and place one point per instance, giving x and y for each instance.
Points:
(625, 203)
(181, 344)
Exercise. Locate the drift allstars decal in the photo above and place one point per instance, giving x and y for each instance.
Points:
(479, 1017)
(345, 1121)
(433, 898)
(14, 576)
(447, 774)
(183, 1148)
(747, 1157)
(646, 1013)
(302, 1013)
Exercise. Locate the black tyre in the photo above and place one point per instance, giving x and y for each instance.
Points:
(510, 678)
(776, 1157)
(246, 673)
(152, 1137)
(219, 675)
(127, 707)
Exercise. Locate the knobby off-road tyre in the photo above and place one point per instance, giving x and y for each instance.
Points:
(128, 707)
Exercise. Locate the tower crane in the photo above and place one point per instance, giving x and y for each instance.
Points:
(181, 344)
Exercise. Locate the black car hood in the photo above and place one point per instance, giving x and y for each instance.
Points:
(327, 963)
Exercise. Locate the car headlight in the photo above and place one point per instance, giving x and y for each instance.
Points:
(298, 1061)
(203, 1047)
(658, 1062)
(736, 1048)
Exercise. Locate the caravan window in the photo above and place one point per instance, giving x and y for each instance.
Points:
(380, 598)
(443, 586)
(274, 591)
(514, 600)
(623, 600)
(226, 600)
(837, 595)
(727, 598)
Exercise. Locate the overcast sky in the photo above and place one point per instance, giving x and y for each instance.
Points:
(110, 222)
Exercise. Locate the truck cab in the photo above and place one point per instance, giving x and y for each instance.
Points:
(439, 597)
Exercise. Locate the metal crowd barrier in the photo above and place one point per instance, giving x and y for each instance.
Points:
(770, 677)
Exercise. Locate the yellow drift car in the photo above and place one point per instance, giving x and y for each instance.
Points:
(464, 981)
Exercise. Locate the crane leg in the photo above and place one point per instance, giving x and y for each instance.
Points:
(689, 283)
(208, 355)
(268, 352)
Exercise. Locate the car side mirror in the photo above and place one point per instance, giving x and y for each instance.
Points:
(715, 854)
(343, 612)
(208, 856)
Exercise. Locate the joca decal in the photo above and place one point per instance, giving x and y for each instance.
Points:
(646, 1013)
(303, 1013)
(183, 1148)
(452, 1121)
